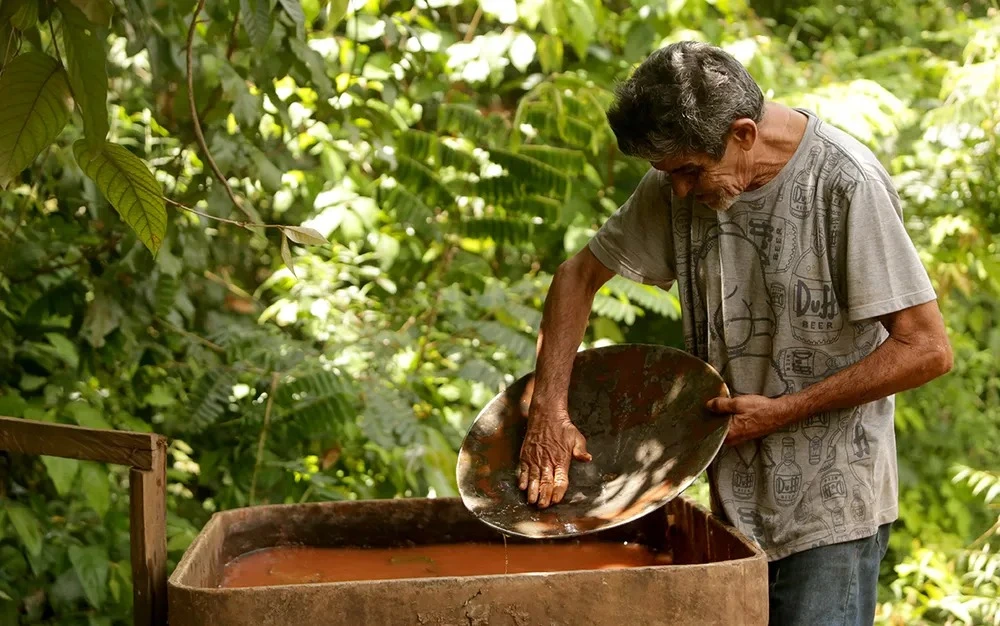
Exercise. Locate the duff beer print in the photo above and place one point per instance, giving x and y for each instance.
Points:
(833, 491)
(806, 365)
(858, 505)
(744, 476)
(815, 428)
(774, 237)
(787, 475)
(803, 194)
(813, 311)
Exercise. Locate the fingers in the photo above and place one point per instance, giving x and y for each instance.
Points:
(560, 484)
(580, 449)
(533, 483)
(722, 405)
(545, 490)
(522, 476)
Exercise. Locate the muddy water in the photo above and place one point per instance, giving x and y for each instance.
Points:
(294, 565)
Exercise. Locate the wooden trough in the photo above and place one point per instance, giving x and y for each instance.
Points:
(717, 576)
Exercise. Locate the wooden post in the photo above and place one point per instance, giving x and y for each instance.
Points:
(148, 536)
(146, 455)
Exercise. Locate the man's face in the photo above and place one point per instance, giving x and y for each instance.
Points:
(716, 184)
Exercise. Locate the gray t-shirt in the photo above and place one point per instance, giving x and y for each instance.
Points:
(777, 293)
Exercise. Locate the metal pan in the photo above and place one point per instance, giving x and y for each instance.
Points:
(641, 408)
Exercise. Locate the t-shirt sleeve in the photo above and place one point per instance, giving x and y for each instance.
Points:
(635, 242)
(883, 271)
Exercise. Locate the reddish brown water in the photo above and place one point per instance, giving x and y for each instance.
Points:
(294, 565)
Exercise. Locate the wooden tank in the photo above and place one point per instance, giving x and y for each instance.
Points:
(717, 576)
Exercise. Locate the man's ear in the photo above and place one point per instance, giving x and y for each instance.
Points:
(744, 133)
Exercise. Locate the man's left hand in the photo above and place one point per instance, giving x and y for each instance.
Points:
(753, 416)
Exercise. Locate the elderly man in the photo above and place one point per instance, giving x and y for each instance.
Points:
(798, 282)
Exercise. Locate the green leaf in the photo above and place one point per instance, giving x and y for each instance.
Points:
(25, 15)
(36, 105)
(26, 526)
(8, 48)
(64, 348)
(314, 64)
(62, 472)
(286, 254)
(268, 174)
(550, 53)
(294, 10)
(91, 567)
(97, 11)
(305, 235)
(256, 16)
(338, 8)
(97, 491)
(87, 416)
(583, 25)
(101, 319)
(246, 106)
(129, 186)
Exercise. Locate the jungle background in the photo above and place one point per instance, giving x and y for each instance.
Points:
(308, 240)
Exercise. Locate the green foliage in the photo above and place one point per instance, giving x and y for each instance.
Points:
(34, 113)
(435, 174)
(130, 187)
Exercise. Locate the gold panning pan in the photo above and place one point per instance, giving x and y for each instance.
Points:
(641, 408)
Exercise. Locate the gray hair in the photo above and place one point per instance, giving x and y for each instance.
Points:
(683, 99)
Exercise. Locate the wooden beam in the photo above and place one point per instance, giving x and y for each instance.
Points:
(146, 455)
(148, 536)
(73, 442)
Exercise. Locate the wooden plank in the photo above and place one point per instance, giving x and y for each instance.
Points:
(74, 442)
(148, 536)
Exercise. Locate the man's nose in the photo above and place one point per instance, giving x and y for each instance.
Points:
(682, 187)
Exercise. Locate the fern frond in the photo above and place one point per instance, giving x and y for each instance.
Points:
(210, 399)
(567, 160)
(574, 132)
(498, 190)
(648, 297)
(500, 230)
(316, 402)
(408, 208)
(482, 372)
(388, 419)
(164, 294)
(980, 481)
(463, 120)
(460, 160)
(540, 177)
(506, 338)
(416, 175)
(615, 309)
(535, 206)
(418, 144)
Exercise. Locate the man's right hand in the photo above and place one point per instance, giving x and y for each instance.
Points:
(550, 444)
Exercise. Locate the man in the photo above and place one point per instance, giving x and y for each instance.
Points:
(798, 282)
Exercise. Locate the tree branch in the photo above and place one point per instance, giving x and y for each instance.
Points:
(469, 34)
(249, 225)
(197, 123)
(263, 434)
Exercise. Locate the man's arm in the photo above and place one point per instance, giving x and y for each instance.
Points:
(916, 352)
(552, 439)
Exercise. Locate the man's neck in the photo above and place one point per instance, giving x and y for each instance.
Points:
(779, 134)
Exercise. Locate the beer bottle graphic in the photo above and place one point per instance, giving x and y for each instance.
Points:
(744, 477)
(858, 505)
(803, 193)
(813, 309)
(815, 428)
(810, 364)
(787, 475)
(833, 491)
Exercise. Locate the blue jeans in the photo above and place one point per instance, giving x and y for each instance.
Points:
(835, 584)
